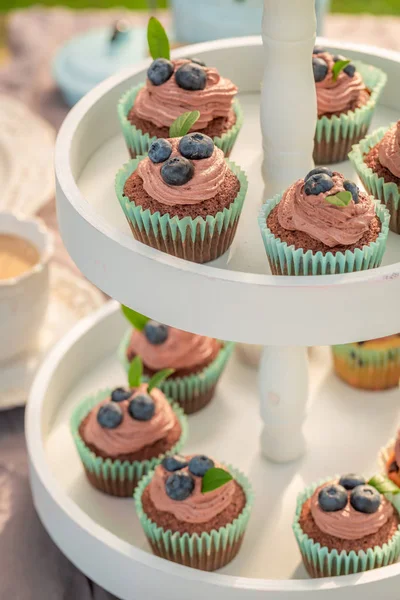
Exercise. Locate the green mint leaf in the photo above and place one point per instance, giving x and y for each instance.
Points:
(339, 66)
(157, 39)
(136, 319)
(214, 479)
(384, 485)
(158, 378)
(340, 199)
(135, 372)
(183, 124)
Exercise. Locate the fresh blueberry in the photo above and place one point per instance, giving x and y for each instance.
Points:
(319, 50)
(351, 481)
(199, 465)
(191, 77)
(339, 57)
(320, 68)
(120, 394)
(351, 187)
(332, 497)
(160, 71)
(156, 333)
(177, 171)
(174, 463)
(179, 486)
(350, 70)
(365, 499)
(141, 408)
(198, 61)
(109, 415)
(159, 150)
(318, 170)
(196, 146)
(318, 184)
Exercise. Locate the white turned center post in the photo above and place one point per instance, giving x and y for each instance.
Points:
(288, 121)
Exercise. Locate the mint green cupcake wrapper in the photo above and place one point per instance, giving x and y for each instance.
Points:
(286, 260)
(377, 358)
(185, 389)
(217, 543)
(116, 470)
(383, 457)
(139, 142)
(322, 562)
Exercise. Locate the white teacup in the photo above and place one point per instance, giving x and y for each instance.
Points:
(24, 298)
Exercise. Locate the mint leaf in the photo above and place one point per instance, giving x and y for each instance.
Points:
(136, 319)
(158, 378)
(183, 124)
(214, 479)
(135, 372)
(339, 66)
(384, 485)
(340, 199)
(157, 39)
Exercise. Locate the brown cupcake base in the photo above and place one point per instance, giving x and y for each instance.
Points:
(316, 572)
(336, 151)
(117, 488)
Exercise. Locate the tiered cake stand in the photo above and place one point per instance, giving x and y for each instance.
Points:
(235, 299)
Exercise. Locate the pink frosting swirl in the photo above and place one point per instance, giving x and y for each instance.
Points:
(162, 104)
(209, 174)
(341, 95)
(389, 150)
(331, 225)
(198, 508)
(131, 435)
(348, 523)
(181, 350)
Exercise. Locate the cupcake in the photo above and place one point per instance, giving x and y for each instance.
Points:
(390, 464)
(323, 224)
(370, 365)
(345, 526)
(377, 161)
(347, 93)
(184, 198)
(122, 434)
(198, 361)
(173, 87)
(194, 512)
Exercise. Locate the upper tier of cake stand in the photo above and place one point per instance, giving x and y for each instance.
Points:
(236, 298)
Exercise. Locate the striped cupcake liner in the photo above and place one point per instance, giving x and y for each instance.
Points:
(208, 551)
(116, 477)
(139, 143)
(322, 562)
(194, 391)
(367, 368)
(286, 260)
(335, 135)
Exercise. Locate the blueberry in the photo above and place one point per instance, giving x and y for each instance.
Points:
(318, 170)
(317, 184)
(179, 486)
(351, 187)
(351, 481)
(156, 333)
(177, 171)
(320, 68)
(319, 50)
(198, 61)
(109, 415)
(196, 146)
(332, 497)
(191, 77)
(174, 463)
(141, 408)
(120, 394)
(339, 57)
(160, 71)
(350, 70)
(159, 150)
(365, 499)
(199, 465)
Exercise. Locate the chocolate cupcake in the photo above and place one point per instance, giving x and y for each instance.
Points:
(194, 511)
(347, 93)
(321, 225)
(345, 526)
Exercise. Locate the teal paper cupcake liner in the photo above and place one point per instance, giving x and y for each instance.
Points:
(207, 551)
(139, 143)
(194, 391)
(322, 562)
(387, 192)
(116, 477)
(335, 135)
(196, 239)
(286, 260)
(384, 456)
